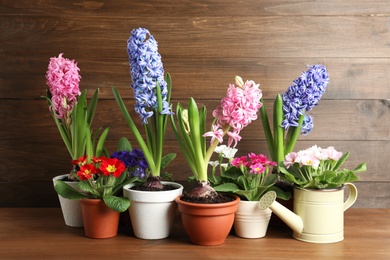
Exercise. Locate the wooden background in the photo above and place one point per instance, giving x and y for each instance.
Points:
(204, 44)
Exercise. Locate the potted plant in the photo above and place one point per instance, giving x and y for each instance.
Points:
(318, 193)
(249, 177)
(152, 93)
(73, 117)
(99, 190)
(237, 110)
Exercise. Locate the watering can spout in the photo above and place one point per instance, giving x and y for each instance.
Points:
(287, 216)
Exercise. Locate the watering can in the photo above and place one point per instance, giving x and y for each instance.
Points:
(318, 214)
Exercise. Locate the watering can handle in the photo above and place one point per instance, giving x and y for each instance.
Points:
(352, 195)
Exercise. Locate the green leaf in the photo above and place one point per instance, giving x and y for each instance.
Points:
(124, 144)
(278, 130)
(166, 176)
(281, 194)
(92, 107)
(134, 129)
(360, 168)
(79, 126)
(267, 130)
(119, 204)
(100, 144)
(196, 139)
(340, 161)
(183, 139)
(67, 191)
(227, 187)
(232, 173)
(85, 186)
(167, 159)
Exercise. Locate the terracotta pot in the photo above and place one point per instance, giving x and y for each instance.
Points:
(251, 221)
(207, 224)
(152, 212)
(71, 209)
(99, 220)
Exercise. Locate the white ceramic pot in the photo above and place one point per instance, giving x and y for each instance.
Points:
(250, 221)
(152, 212)
(71, 209)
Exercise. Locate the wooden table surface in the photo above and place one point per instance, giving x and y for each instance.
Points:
(40, 233)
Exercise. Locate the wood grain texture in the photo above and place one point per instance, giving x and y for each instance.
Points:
(204, 44)
(18, 226)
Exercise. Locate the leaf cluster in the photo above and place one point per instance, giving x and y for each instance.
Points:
(249, 187)
(326, 176)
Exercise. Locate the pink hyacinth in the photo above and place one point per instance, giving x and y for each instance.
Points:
(217, 133)
(62, 78)
(238, 109)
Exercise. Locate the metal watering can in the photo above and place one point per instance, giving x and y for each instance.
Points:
(318, 215)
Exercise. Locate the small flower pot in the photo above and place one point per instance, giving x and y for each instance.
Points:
(99, 220)
(152, 213)
(251, 221)
(71, 209)
(207, 224)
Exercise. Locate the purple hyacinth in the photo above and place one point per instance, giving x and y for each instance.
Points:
(146, 70)
(303, 95)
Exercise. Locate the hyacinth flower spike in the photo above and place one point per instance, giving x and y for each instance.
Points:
(152, 96)
(290, 118)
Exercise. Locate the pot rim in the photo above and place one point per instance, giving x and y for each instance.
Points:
(204, 205)
(320, 190)
(177, 185)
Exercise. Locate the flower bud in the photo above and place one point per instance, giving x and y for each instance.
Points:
(239, 82)
(184, 116)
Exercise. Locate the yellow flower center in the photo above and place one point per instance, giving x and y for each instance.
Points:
(111, 168)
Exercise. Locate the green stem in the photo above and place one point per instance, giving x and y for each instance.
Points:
(292, 136)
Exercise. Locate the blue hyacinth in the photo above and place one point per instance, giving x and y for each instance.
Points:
(302, 96)
(146, 70)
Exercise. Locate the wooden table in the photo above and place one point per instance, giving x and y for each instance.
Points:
(40, 233)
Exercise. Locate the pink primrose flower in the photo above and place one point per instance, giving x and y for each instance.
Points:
(308, 158)
(62, 78)
(257, 168)
(239, 161)
(332, 153)
(290, 159)
(260, 158)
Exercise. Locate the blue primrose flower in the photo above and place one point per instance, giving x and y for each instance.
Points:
(124, 156)
(146, 70)
(134, 160)
(302, 96)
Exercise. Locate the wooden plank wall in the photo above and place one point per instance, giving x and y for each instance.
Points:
(204, 44)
